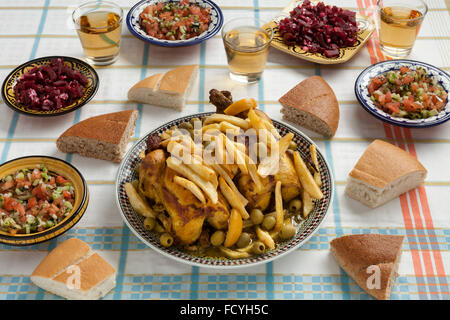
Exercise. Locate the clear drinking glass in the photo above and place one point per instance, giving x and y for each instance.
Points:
(247, 46)
(99, 27)
(399, 23)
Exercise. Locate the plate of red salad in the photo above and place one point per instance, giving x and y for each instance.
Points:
(50, 86)
(405, 92)
(175, 23)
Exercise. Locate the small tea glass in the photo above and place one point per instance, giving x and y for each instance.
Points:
(99, 28)
(399, 23)
(247, 46)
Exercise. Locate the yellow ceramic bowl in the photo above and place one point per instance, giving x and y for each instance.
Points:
(56, 166)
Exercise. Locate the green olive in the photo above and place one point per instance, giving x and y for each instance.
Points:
(244, 240)
(217, 238)
(186, 126)
(258, 247)
(159, 228)
(256, 216)
(149, 223)
(166, 239)
(295, 205)
(268, 222)
(287, 231)
(292, 146)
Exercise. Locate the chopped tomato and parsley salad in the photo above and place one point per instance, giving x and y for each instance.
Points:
(408, 93)
(175, 20)
(32, 200)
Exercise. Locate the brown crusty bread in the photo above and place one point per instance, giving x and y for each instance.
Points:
(382, 173)
(312, 104)
(170, 89)
(356, 253)
(57, 270)
(102, 137)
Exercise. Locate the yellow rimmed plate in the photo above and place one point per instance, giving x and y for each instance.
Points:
(9, 97)
(365, 24)
(56, 166)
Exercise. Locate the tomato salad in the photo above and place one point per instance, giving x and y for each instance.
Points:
(175, 20)
(32, 200)
(408, 93)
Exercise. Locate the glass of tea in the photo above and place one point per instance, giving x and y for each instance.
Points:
(399, 23)
(99, 27)
(247, 46)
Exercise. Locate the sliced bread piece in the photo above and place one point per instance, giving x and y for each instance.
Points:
(168, 90)
(367, 256)
(101, 137)
(73, 271)
(312, 104)
(383, 172)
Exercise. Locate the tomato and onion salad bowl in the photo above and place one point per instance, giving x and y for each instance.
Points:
(88, 92)
(134, 23)
(56, 167)
(386, 68)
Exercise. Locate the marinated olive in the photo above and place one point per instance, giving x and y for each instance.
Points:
(149, 223)
(256, 216)
(292, 146)
(166, 239)
(269, 222)
(186, 126)
(244, 240)
(217, 238)
(295, 205)
(287, 231)
(258, 247)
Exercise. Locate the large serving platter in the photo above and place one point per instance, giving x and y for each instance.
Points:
(134, 221)
(366, 27)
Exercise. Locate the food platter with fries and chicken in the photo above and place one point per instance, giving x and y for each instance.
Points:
(226, 189)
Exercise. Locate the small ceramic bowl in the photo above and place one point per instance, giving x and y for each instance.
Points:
(363, 96)
(90, 90)
(214, 26)
(56, 166)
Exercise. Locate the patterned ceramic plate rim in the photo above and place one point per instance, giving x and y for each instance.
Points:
(362, 93)
(60, 228)
(214, 27)
(365, 25)
(310, 227)
(90, 90)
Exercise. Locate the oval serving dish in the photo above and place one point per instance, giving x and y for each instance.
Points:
(214, 26)
(84, 68)
(59, 167)
(363, 96)
(134, 221)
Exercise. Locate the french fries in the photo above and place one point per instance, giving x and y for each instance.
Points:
(192, 187)
(227, 127)
(238, 156)
(234, 228)
(231, 119)
(269, 165)
(232, 198)
(136, 201)
(278, 208)
(305, 177)
(206, 186)
(257, 123)
(224, 174)
(313, 152)
(265, 238)
(308, 204)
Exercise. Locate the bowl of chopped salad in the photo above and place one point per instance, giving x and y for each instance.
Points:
(406, 93)
(175, 23)
(41, 197)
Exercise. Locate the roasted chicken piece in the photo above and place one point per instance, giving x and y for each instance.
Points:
(186, 212)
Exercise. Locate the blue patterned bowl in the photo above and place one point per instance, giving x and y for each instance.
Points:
(214, 26)
(363, 96)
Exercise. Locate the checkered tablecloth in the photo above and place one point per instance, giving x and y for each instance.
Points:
(30, 29)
